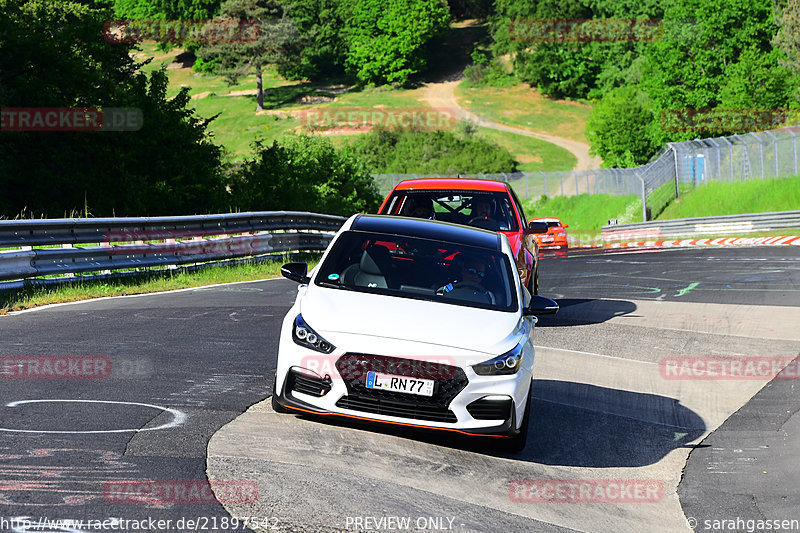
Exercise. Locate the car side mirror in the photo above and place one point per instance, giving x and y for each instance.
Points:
(537, 227)
(566, 225)
(296, 272)
(541, 306)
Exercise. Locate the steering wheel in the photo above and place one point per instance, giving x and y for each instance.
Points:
(483, 222)
(477, 288)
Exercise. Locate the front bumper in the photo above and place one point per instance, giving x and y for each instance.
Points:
(459, 403)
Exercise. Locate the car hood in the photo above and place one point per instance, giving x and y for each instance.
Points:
(348, 314)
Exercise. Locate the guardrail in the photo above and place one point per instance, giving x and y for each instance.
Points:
(131, 243)
(695, 227)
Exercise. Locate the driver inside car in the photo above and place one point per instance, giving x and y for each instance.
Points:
(469, 285)
(483, 214)
(419, 207)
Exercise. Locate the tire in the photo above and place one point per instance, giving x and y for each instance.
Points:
(516, 444)
(278, 408)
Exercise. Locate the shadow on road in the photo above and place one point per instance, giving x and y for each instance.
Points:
(575, 424)
(577, 312)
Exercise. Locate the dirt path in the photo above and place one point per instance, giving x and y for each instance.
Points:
(442, 95)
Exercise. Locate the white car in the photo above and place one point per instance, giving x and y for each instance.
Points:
(412, 322)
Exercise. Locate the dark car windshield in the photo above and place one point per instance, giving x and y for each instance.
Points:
(482, 209)
(420, 269)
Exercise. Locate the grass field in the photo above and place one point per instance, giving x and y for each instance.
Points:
(533, 154)
(237, 125)
(524, 107)
(721, 198)
(147, 283)
(586, 212)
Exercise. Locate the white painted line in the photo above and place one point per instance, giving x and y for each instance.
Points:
(48, 306)
(178, 417)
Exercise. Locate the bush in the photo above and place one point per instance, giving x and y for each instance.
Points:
(431, 152)
(303, 174)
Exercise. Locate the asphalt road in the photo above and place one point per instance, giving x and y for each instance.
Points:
(185, 364)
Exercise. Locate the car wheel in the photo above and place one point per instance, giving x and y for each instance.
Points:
(517, 443)
(278, 408)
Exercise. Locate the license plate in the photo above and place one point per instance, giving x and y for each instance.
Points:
(420, 387)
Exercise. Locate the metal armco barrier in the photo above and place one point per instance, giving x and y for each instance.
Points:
(284, 235)
(694, 227)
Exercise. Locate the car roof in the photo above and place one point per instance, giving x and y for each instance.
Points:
(428, 229)
(457, 184)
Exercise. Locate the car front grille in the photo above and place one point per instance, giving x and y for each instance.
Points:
(448, 382)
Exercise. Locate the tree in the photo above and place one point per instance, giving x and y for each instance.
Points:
(716, 53)
(618, 128)
(238, 57)
(54, 55)
(166, 9)
(600, 54)
(384, 40)
(317, 51)
(787, 39)
(304, 174)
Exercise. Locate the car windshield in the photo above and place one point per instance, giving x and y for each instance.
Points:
(482, 209)
(553, 224)
(420, 269)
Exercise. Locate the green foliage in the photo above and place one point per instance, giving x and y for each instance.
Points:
(53, 55)
(618, 128)
(317, 51)
(303, 174)
(470, 9)
(166, 9)
(573, 68)
(384, 40)
(431, 152)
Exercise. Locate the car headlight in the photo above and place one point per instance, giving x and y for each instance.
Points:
(306, 337)
(502, 365)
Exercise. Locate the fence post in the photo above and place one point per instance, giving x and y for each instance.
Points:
(675, 153)
(644, 197)
(544, 178)
(730, 148)
(760, 153)
(774, 150)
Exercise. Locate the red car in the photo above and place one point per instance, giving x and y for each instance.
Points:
(556, 236)
(486, 204)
